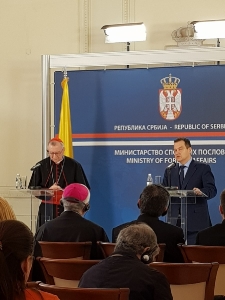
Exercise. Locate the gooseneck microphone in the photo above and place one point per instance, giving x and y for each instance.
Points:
(171, 165)
(34, 168)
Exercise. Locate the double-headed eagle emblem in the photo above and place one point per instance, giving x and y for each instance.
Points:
(170, 98)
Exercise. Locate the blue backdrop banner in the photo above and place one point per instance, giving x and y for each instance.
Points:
(124, 123)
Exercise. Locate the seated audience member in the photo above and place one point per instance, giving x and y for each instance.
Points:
(6, 211)
(136, 246)
(153, 203)
(16, 248)
(215, 235)
(70, 226)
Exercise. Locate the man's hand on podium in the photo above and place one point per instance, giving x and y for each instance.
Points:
(197, 191)
(55, 186)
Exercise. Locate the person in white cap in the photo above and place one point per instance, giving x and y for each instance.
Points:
(71, 226)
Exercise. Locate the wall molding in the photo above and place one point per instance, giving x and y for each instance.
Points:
(84, 26)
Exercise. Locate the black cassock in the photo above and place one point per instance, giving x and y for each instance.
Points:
(66, 172)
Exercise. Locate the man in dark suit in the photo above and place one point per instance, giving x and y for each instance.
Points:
(153, 203)
(189, 174)
(215, 235)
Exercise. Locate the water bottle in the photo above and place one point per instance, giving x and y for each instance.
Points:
(18, 181)
(149, 179)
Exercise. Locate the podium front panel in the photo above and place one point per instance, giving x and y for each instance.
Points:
(177, 211)
(49, 205)
(20, 201)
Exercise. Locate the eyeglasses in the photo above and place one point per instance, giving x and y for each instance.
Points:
(54, 153)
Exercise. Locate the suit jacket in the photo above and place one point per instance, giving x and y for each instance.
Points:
(198, 175)
(71, 227)
(212, 236)
(166, 233)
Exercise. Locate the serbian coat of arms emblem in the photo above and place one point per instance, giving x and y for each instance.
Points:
(170, 98)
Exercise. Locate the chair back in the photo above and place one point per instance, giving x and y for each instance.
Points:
(207, 254)
(64, 272)
(108, 249)
(86, 293)
(160, 256)
(189, 281)
(79, 250)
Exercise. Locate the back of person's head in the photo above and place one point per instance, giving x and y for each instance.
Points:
(16, 248)
(136, 238)
(222, 202)
(76, 197)
(6, 211)
(154, 200)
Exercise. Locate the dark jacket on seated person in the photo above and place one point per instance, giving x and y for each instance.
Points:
(212, 236)
(166, 233)
(153, 203)
(68, 227)
(215, 235)
(71, 227)
(126, 270)
(136, 247)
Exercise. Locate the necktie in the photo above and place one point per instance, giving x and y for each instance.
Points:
(181, 176)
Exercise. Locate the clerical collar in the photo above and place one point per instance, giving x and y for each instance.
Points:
(60, 161)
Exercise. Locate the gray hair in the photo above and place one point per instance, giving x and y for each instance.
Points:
(73, 206)
(154, 200)
(135, 238)
(55, 143)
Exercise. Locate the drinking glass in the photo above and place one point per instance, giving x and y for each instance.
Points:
(158, 180)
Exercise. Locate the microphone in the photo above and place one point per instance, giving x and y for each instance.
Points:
(171, 165)
(36, 166)
(169, 168)
(35, 187)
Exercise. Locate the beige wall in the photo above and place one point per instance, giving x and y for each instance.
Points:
(30, 28)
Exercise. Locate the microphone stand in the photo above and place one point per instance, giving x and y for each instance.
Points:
(35, 187)
(169, 177)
